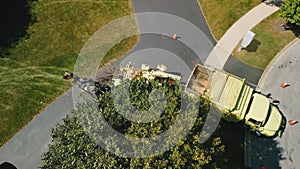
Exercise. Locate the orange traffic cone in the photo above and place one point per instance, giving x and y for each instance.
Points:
(174, 37)
(292, 122)
(284, 85)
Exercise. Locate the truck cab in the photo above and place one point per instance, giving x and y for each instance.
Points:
(262, 116)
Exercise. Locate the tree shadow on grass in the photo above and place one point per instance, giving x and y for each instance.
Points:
(253, 46)
(15, 18)
(294, 28)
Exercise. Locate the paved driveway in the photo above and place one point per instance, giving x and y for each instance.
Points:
(24, 150)
(158, 21)
(188, 10)
(242, 70)
(282, 152)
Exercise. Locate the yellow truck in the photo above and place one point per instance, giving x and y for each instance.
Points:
(235, 99)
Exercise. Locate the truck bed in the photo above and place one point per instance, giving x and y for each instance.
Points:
(198, 82)
(222, 88)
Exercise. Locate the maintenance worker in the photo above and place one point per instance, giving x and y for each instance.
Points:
(68, 75)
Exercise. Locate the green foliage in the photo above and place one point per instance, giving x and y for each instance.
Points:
(228, 116)
(291, 11)
(222, 14)
(72, 148)
(79, 151)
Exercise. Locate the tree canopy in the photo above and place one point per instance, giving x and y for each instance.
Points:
(74, 146)
(290, 9)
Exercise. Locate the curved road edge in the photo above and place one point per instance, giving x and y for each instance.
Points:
(221, 52)
(273, 62)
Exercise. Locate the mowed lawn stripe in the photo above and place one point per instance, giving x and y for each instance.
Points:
(31, 75)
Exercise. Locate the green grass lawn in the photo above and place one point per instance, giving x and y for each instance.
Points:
(31, 75)
(222, 14)
(269, 39)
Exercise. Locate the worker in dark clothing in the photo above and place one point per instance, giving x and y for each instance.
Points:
(68, 75)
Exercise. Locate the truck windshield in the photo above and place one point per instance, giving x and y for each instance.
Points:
(268, 116)
(259, 108)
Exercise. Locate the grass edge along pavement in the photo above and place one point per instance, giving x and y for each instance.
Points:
(214, 10)
(215, 13)
(269, 68)
(270, 39)
(32, 73)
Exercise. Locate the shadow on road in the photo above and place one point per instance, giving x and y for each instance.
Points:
(264, 151)
(15, 19)
(261, 150)
(246, 150)
(233, 137)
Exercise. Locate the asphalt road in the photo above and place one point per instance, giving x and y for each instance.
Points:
(188, 10)
(194, 45)
(158, 21)
(24, 150)
(242, 70)
(154, 50)
(281, 152)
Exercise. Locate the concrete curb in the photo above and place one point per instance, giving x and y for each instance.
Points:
(273, 62)
(207, 22)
